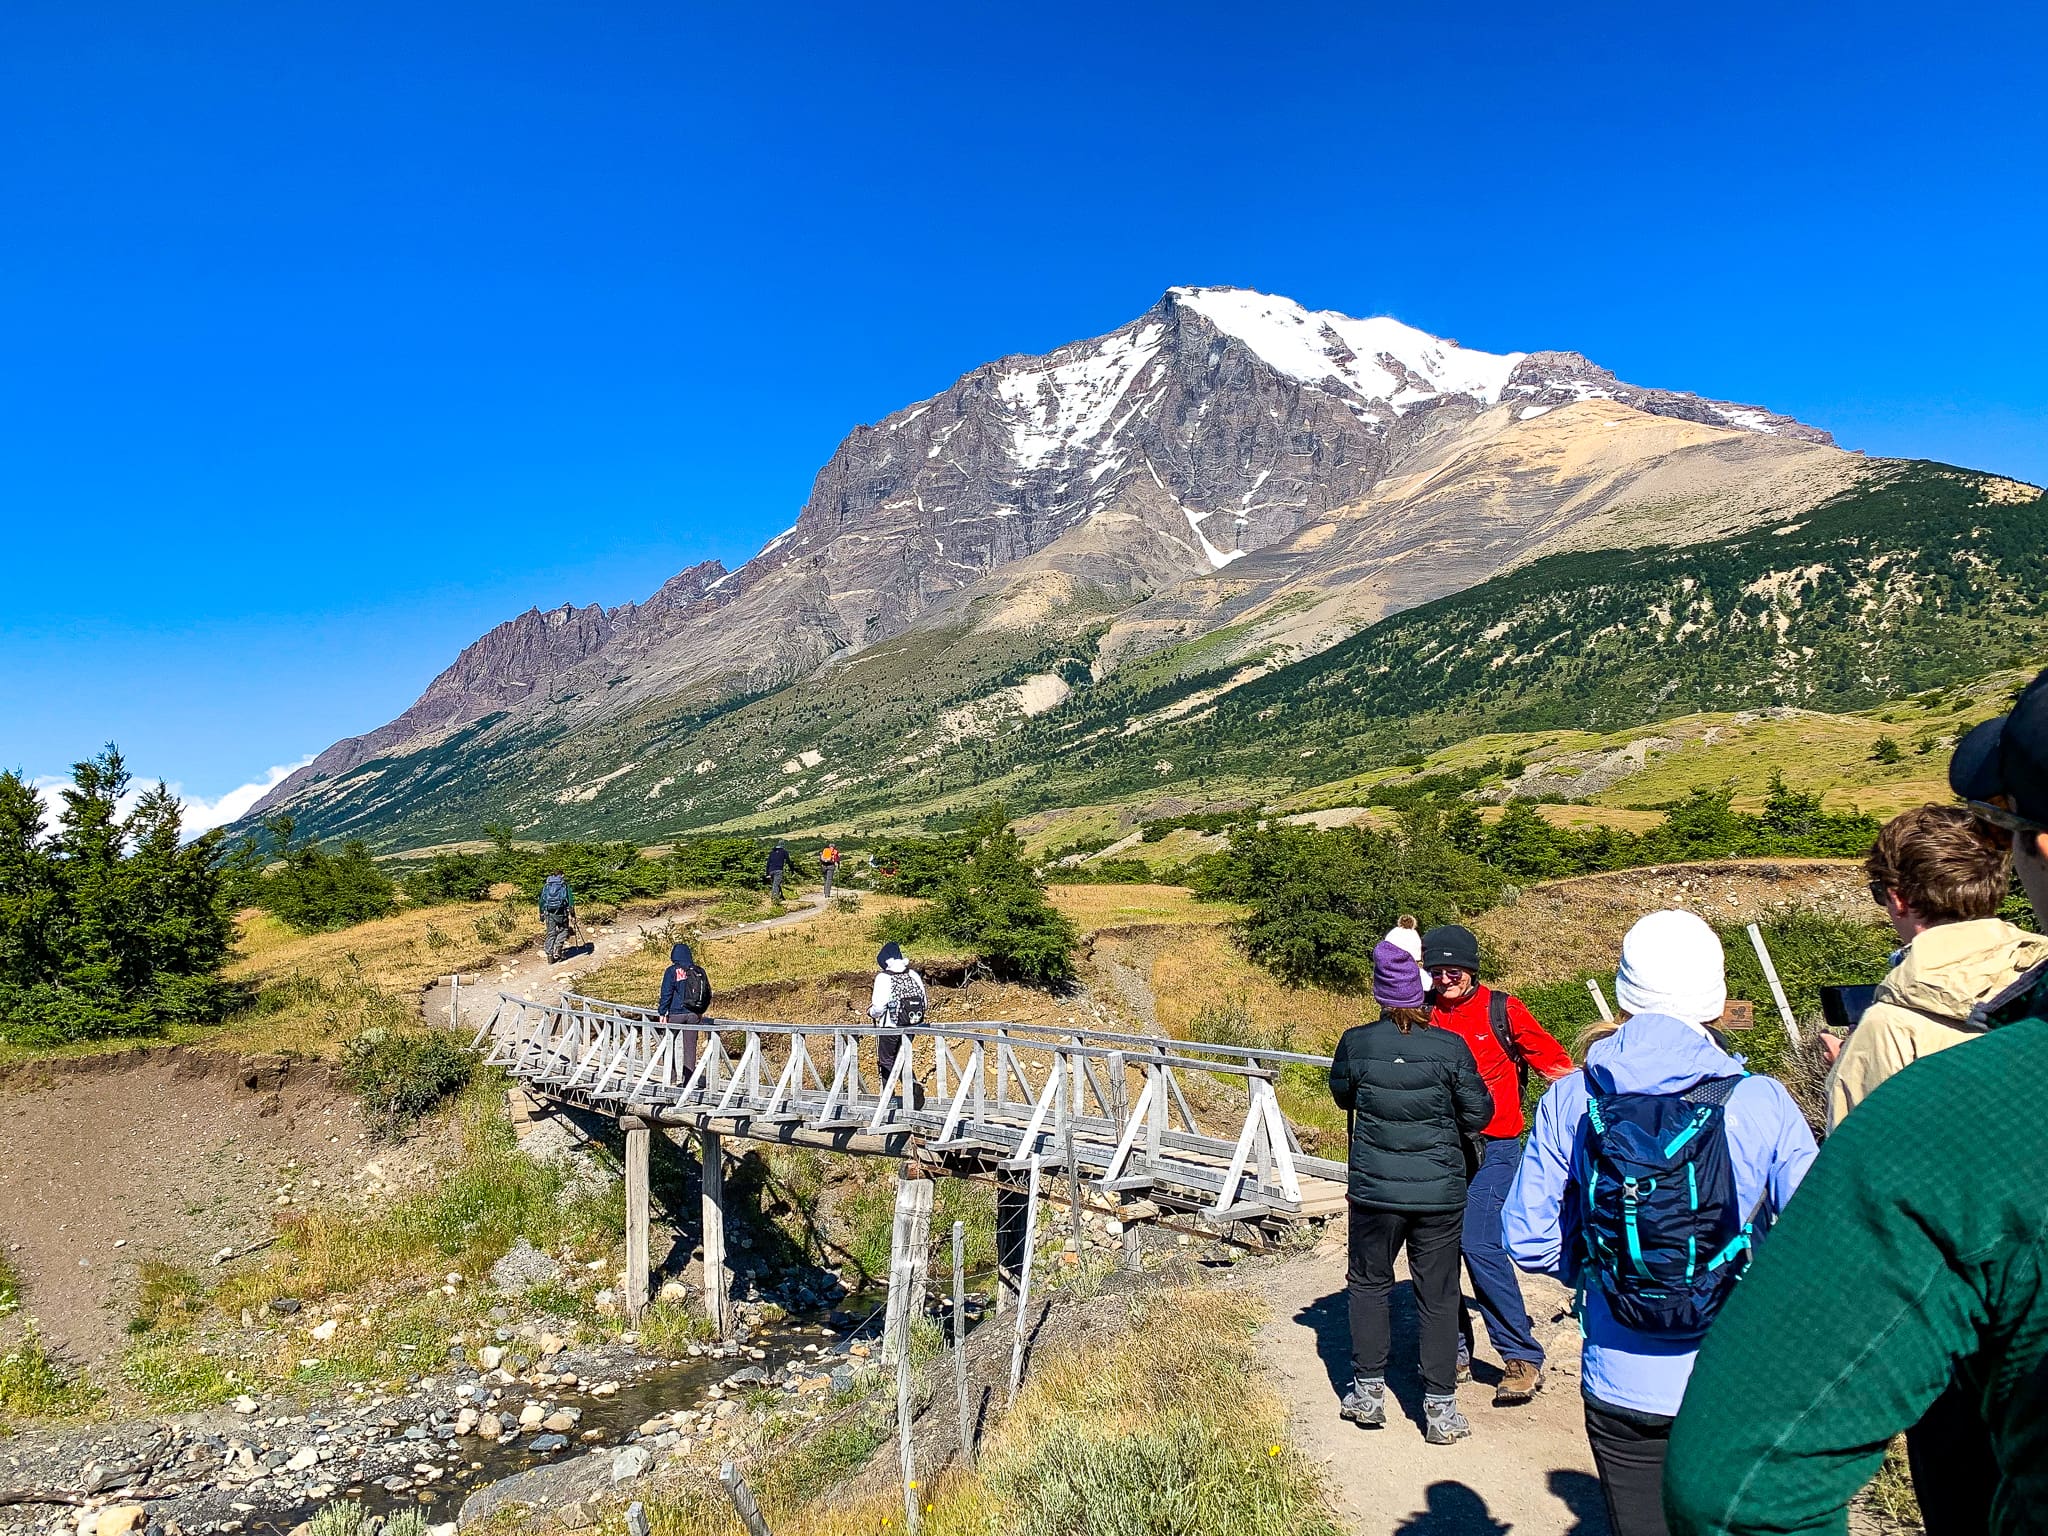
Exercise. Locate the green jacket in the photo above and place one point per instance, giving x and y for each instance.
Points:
(1917, 1247)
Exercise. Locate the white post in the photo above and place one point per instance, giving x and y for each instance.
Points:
(637, 1138)
(1599, 999)
(455, 1002)
(960, 1340)
(913, 1514)
(1763, 956)
(714, 1230)
(908, 1267)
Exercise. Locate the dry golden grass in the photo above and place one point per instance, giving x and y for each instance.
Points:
(1091, 907)
(1166, 1425)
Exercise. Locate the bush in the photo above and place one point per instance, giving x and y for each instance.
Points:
(1886, 750)
(450, 877)
(317, 891)
(719, 864)
(400, 1074)
(993, 904)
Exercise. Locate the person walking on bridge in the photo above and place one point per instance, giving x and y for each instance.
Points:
(778, 862)
(898, 1001)
(1507, 1042)
(685, 999)
(1414, 1096)
(557, 914)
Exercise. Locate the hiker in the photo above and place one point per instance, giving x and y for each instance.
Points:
(1506, 1041)
(897, 1001)
(829, 858)
(1414, 1096)
(778, 861)
(557, 913)
(1909, 1270)
(1647, 1179)
(1940, 875)
(685, 999)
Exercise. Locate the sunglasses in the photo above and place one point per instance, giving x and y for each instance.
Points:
(2005, 820)
(1878, 891)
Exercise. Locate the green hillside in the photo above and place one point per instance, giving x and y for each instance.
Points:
(1931, 578)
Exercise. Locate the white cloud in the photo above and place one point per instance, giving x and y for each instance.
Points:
(201, 814)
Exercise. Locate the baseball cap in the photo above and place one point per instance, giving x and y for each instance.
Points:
(2007, 758)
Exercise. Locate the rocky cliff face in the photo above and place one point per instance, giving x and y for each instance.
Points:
(1113, 471)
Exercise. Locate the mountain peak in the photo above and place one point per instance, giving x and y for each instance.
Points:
(1378, 358)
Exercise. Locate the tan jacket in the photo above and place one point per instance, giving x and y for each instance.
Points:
(1945, 972)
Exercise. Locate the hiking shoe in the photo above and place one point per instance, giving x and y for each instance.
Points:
(1442, 1423)
(1521, 1381)
(1366, 1403)
(1464, 1364)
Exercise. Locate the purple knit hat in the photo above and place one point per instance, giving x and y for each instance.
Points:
(1396, 983)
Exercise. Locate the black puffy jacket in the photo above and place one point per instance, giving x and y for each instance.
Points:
(1414, 1099)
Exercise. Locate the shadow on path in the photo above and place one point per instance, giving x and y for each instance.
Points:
(1454, 1509)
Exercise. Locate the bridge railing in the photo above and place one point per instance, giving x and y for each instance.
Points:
(1112, 1107)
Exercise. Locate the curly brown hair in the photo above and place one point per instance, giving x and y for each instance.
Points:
(1942, 862)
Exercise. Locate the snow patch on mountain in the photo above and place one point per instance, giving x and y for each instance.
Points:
(1377, 359)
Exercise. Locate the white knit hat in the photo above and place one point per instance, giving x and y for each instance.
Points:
(1671, 963)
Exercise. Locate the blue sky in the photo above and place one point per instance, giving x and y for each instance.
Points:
(331, 336)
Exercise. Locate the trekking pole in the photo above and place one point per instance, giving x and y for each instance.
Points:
(1763, 956)
(1599, 999)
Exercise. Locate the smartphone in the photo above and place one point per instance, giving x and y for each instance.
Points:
(1843, 1007)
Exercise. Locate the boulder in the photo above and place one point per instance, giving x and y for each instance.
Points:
(629, 1462)
(550, 1490)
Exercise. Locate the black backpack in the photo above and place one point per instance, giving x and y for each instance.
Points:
(1497, 1016)
(554, 895)
(694, 988)
(906, 1002)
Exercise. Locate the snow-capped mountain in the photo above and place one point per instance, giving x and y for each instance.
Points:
(1137, 476)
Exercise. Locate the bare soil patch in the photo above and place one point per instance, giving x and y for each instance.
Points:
(169, 1154)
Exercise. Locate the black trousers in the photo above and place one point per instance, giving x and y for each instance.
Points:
(1629, 1450)
(1433, 1242)
(1954, 1468)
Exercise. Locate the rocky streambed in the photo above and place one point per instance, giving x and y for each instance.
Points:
(529, 1419)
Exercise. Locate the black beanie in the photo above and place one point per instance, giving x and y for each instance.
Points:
(1448, 944)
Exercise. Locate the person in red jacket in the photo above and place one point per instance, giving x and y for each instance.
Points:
(1508, 1043)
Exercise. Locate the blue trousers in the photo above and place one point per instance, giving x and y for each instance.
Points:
(1494, 1282)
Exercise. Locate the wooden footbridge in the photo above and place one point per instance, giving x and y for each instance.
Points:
(1111, 1112)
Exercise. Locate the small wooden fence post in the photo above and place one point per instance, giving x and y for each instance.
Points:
(960, 1340)
(742, 1498)
(1024, 1288)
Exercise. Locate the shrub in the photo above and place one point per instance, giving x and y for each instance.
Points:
(33, 1384)
(450, 877)
(1886, 750)
(342, 1517)
(317, 891)
(719, 863)
(992, 903)
(400, 1074)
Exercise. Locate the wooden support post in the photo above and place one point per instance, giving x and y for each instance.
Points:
(1024, 1287)
(637, 1137)
(714, 1231)
(960, 1340)
(908, 1265)
(1763, 956)
(1073, 1186)
(742, 1498)
(455, 1002)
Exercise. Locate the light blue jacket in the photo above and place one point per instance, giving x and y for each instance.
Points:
(1769, 1147)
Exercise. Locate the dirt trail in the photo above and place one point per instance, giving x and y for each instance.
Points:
(1524, 1469)
(528, 974)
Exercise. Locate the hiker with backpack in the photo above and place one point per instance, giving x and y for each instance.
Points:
(778, 862)
(1940, 875)
(898, 1000)
(1909, 1271)
(558, 915)
(828, 859)
(1414, 1096)
(1648, 1179)
(1506, 1042)
(685, 999)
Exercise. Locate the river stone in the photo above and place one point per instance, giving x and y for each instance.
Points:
(562, 1420)
(629, 1462)
(543, 1445)
(545, 1489)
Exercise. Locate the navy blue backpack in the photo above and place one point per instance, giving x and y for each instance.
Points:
(1660, 1232)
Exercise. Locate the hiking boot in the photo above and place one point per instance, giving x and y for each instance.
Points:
(1522, 1380)
(1464, 1364)
(1442, 1424)
(1366, 1403)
